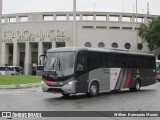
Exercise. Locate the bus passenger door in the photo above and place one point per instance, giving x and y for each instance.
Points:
(81, 73)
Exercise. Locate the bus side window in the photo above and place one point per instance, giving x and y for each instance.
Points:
(81, 66)
(110, 60)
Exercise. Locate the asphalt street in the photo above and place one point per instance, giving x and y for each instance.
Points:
(33, 99)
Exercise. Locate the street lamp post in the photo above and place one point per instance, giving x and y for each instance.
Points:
(136, 27)
(74, 38)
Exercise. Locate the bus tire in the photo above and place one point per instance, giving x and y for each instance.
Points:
(93, 89)
(137, 86)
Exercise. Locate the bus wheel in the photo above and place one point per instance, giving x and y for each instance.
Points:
(136, 87)
(93, 89)
(66, 95)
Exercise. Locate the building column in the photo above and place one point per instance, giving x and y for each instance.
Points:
(107, 17)
(81, 17)
(133, 19)
(5, 54)
(120, 18)
(16, 54)
(67, 17)
(53, 44)
(94, 17)
(27, 64)
(17, 19)
(74, 29)
(54, 17)
(40, 51)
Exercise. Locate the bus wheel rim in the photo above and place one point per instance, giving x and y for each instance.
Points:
(93, 89)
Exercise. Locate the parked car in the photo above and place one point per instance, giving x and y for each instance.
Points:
(39, 69)
(11, 70)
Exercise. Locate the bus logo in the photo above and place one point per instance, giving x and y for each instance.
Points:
(6, 114)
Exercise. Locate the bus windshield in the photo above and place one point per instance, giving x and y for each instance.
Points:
(61, 62)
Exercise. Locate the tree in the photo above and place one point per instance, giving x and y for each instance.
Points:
(151, 33)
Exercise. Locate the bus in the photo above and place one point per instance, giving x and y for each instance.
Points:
(72, 70)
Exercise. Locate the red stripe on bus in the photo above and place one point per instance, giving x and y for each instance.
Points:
(128, 79)
(48, 82)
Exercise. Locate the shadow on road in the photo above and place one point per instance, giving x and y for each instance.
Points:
(103, 95)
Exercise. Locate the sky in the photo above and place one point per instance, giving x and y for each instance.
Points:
(129, 6)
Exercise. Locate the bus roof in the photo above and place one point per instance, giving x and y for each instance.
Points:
(108, 50)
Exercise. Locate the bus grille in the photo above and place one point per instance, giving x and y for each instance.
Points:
(55, 90)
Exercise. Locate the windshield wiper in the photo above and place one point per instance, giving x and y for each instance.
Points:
(53, 65)
(60, 67)
(59, 64)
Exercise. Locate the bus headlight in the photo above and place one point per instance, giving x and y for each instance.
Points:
(69, 83)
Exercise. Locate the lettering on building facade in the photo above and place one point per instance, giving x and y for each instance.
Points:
(44, 35)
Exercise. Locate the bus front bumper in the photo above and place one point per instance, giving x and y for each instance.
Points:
(68, 88)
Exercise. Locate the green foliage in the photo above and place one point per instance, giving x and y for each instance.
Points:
(12, 79)
(151, 33)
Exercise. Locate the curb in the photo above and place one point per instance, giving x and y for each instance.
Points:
(20, 86)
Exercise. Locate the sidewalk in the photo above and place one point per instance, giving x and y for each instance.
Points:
(20, 86)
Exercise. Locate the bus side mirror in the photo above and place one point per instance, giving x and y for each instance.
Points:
(41, 59)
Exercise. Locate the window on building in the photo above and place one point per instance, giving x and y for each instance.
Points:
(126, 19)
(87, 44)
(60, 17)
(3, 20)
(137, 28)
(101, 18)
(127, 45)
(60, 44)
(48, 18)
(12, 19)
(87, 17)
(101, 44)
(88, 27)
(24, 19)
(114, 45)
(138, 19)
(140, 46)
(113, 18)
(47, 46)
(127, 28)
(101, 27)
(113, 27)
(71, 17)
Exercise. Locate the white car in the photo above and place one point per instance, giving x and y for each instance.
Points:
(10, 70)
